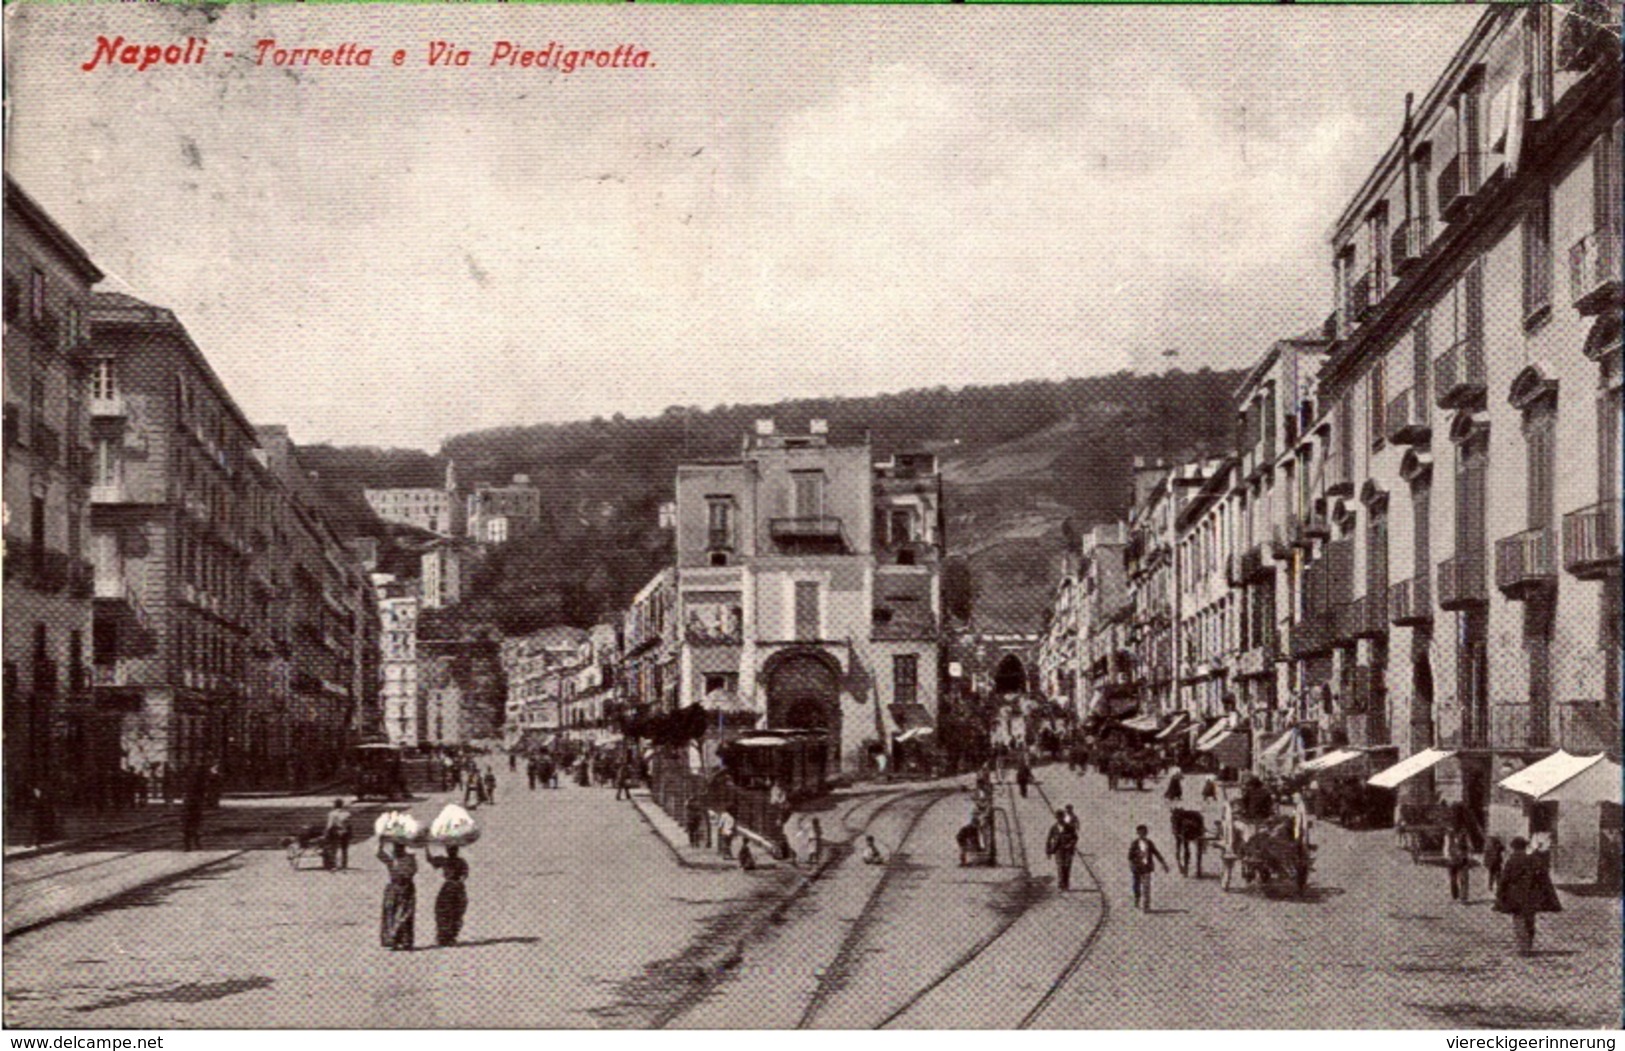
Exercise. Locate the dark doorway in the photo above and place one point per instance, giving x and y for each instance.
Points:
(1011, 675)
(803, 693)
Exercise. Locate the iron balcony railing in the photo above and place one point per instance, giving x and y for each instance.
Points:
(1525, 563)
(1458, 181)
(1410, 602)
(1406, 244)
(1594, 272)
(1458, 374)
(1461, 581)
(1407, 420)
(1591, 540)
(813, 529)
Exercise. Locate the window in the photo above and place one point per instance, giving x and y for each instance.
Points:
(1540, 442)
(1471, 473)
(905, 674)
(720, 522)
(13, 299)
(1421, 507)
(721, 682)
(806, 610)
(1378, 406)
(1537, 259)
(106, 462)
(809, 494)
(36, 295)
(902, 525)
(102, 385)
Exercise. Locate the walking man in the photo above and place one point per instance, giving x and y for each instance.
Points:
(623, 781)
(1143, 858)
(1524, 891)
(338, 837)
(1062, 845)
(1459, 862)
(1024, 776)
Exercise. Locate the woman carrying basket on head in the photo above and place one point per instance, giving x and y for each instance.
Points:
(452, 901)
(397, 927)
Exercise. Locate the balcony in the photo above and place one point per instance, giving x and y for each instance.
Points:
(1407, 420)
(1587, 727)
(1458, 181)
(1310, 636)
(110, 407)
(719, 540)
(1282, 539)
(1458, 375)
(1316, 527)
(1591, 541)
(114, 492)
(1363, 295)
(1258, 661)
(1410, 602)
(1406, 244)
(1525, 564)
(1254, 570)
(1371, 615)
(1461, 582)
(1594, 266)
(813, 534)
(1232, 571)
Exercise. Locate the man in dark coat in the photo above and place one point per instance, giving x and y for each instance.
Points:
(1061, 845)
(1143, 858)
(1524, 891)
(1024, 777)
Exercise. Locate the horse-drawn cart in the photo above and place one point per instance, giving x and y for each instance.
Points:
(1263, 842)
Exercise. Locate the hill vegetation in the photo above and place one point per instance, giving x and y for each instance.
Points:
(1023, 463)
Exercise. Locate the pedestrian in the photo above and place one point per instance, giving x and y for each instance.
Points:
(513, 762)
(1210, 790)
(1024, 776)
(397, 925)
(1458, 862)
(1175, 791)
(336, 837)
(1525, 890)
(871, 852)
(727, 826)
(490, 785)
(694, 822)
(747, 860)
(623, 781)
(813, 839)
(530, 773)
(1494, 854)
(1143, 858)
(1072, 817)
(552, 770)
(1062, 845)
(452, 901)
(192, 812)
(473, 790)
(969, 839)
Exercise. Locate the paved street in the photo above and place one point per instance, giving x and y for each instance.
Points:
(582, 916)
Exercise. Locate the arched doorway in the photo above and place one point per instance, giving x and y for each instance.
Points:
(804, 692)
(1010, 676)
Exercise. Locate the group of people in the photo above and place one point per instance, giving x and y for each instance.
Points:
(397, 929)
(1520, 881)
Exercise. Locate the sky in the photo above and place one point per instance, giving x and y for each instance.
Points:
(785, 202)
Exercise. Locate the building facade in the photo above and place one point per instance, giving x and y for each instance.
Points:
(55, 730)
(809, 587)
(500, 513)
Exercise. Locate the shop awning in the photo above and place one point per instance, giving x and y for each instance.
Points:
(914, 734)
(1173, 728)
(1339, 757)
(1565, 778)
(1146, 724)
(1279, 746)
(1214, 734)
(1408, 768)
(1229, 748)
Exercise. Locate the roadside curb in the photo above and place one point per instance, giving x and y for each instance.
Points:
(122, 892)
(78, 842)
(658, 823)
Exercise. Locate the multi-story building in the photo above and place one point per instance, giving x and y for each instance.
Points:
(650, 648)
(56, 737)
(534, 667)
(589, 686)
(808, 579)
(1206, 636)
(1471, 588)
(436, 509)
(499, 513)
(1109, 671)
(399, 694)
(446, 570)
(1062, 642)
(462, 686)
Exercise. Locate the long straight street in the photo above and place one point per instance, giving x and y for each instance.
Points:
(581, 916)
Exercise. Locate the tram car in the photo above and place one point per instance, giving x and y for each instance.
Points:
(795, 760)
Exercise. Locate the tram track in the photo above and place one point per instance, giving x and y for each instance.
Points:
(1078, 958)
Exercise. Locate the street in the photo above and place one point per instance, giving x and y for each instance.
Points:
(582, 916)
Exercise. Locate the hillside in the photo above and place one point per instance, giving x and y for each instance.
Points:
(1019, 460)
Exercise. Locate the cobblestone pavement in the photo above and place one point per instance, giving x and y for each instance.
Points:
(581, 916)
